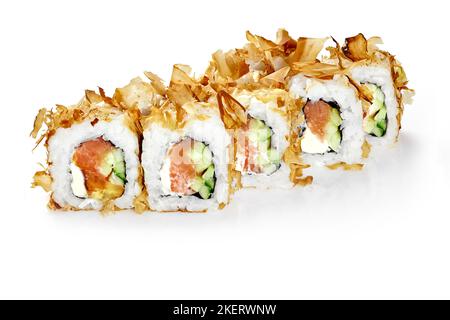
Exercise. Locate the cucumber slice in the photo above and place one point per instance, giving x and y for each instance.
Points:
(199, 168)
(119, 164)
(115, 179)
(209, 173)
(381, 115)
(372, 88)
(197, 152)
(210, 183)
(274, 156)
(264, 133)
(333, 136)
(378, 132)
(377, 93)
(335, 141)
(369, 124)
(207, 156)
(382, 124)
(335, 117)
(331, 129)
(378, 96)
(120, 175)
(205, 192)
(264, 145)
(205, 162)
(197, 184)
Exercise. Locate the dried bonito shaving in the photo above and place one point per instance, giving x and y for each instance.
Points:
(139, 94)
(183, 88)
(93, 106)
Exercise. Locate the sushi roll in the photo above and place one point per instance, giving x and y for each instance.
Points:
(261, 142)
(186, 151)
(93, 155)
(331, 132)
(186, 166)
(381, 81)
(257, 117)
(262, 67)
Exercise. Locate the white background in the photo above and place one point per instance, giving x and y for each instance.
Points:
(380, 233)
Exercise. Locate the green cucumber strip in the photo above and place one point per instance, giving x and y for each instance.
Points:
(335, 141)
(376, 124)
(198, 146)
(381, 115)
(197, 152)
(377, 93)
(274, 156)
(382, 124)
(119, 163)
(335, 117)
(210, 183)
(378, 96)
(264, 145)
(378, 132)
(197, 184)
(209, 173)
(120, 175)
(207, 156)
(264, 133)
(200, 167)
(205, 192)
(205, 162)
(369, 125)
(331, 129)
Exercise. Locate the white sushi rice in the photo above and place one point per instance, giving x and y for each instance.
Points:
(340, 91)
(380, 75)
(269, 112)
(62, 146)
(157, 142)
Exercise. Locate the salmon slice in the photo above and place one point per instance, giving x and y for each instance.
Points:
(317, 114)
(182, 170)
(89, 157)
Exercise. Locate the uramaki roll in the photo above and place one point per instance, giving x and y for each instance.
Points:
(331, 132)
(93, 155)
(381, 82)
(261, 143)
(186, 150)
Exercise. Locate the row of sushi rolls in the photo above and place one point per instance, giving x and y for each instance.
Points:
(261, 116)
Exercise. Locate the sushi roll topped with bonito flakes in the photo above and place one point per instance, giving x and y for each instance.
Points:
(261, 142)
(382, 85)
(330, 132)
(259, 116)
(93, 155)
(186, 149)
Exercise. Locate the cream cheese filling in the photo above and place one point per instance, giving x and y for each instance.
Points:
(310, 143)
